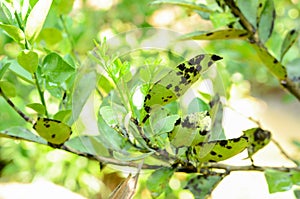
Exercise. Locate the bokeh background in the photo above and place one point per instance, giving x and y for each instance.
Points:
(32, 169)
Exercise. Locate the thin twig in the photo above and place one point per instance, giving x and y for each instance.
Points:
(283, 152)
(11, 104)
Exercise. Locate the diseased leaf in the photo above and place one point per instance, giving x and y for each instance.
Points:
(36, 19)
(190, 130)
(278, 181)
(252, 139)
(274, 66)
(159, 180)
(219, 149)
(265, 19)
(288, 41)
(29, 60)
(14, 32)
(172, 86)
(219, 34)
(54, 131)
(258, 139)
(182, 3)
(202, 185)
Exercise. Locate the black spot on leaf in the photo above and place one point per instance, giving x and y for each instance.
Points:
(216, 57)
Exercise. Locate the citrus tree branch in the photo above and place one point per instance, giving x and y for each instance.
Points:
(287, 83)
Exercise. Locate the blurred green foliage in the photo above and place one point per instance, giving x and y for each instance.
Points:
(67, 35)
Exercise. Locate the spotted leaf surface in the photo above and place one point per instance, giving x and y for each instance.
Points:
(258, 138)
(288, 41)
(220, 149)
(202, 185)
(252, 139)
(176, 82)
(54, 131)
(190, 130)
(219, 34)
(275, 67)
(265, 19)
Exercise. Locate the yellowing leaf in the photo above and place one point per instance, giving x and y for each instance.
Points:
(54, 131)
(275, 67)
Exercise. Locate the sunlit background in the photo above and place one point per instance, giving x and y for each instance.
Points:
(33, 170)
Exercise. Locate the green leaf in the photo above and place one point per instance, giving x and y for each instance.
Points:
(221, 19)
(21, 72)
(265, 19)
(297, 193)
(82, 89)
(103, 84)
(10, 116)
(14, 32)
(63, 7)
(50, 35)
(295, 177)
(6, 15)
(23, 134)
(63, 116)
(109, 115)
(159, 180)
(219, 34)
(37, 107)
(29, 60)
(4, 65)
(274, 66)
(288, 41)
(87, 144)
(8, 88)
(278, 181)
(56, 69)
(197, 105)
(186, 4)
(36, 19)
(202, 185)
(108, 136)
(249, 9)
